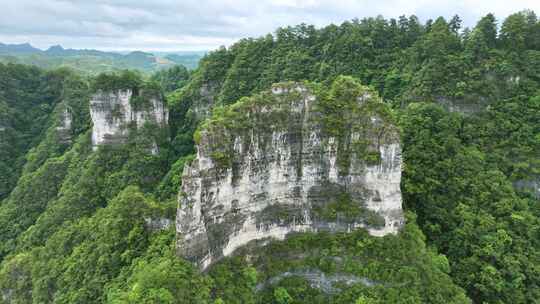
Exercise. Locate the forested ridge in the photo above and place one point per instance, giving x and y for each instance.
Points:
(75, 223)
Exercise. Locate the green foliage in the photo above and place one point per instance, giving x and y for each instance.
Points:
(234, 282)
(401, 269)
(29, 199)
(77, 219)
(490, 76)
(247, 66)
(468, 208)
(94, 179)
(402, 59)
(364, 300)
(342, 100)
(93, 62)
(143, 93)
(59, 137)
(170, 184)
(28, 97)
(15, 279)
(282, 296)
(172, 79)
(160, 277)
(342, 208)
(222, 159)
(341, 109)
(74, 223)
(519, 31)
(189, 60)
(110, 82)
(45, 167)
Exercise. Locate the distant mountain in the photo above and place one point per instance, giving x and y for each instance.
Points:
(94, 61)
(186, 59)
(58, 50)
(14, 49)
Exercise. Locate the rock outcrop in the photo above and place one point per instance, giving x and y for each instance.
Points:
(63, 128)
(319, 280)
(288, 161)
(531, 185)
(114, 113)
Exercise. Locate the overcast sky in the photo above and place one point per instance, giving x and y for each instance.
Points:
(167, 25)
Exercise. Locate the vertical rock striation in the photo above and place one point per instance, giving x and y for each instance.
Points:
(287, 161)
(114, 113)
(63, 128)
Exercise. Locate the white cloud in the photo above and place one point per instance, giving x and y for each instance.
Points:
(206, 24)
(295, 3)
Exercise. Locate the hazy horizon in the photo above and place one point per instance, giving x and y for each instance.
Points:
(126, 51)
(198, 26)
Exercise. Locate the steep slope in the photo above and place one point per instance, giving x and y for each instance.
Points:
(89, 223)
(67, 179)
(45, 165)
(28, 97)
(288, 161)
(479, 88)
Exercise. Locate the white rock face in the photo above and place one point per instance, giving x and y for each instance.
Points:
(384, 181)
(281, 178)
(531, 185)
(157, 224)
(319, 280)
(66, 120)
(63, 129)
(112, 115)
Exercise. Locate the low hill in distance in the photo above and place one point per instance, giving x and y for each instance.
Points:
(94, 61)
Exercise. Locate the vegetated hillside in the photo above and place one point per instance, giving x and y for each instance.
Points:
(95, 225)
(187, 59)
(94, 62)
(84, 226)
(28, 97)
(468, 102)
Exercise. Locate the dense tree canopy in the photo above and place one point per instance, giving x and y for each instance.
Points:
(470, 116)
(28, 96)
(76, 224)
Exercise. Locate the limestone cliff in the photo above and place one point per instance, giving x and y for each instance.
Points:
(114, 113)
(64, 125)
(289, 161)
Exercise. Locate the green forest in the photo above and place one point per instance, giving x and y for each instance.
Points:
(74, 221)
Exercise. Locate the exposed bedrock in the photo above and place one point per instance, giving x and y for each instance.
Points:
(319, 280)
(287, 161)
(64, 124)
(115, 113)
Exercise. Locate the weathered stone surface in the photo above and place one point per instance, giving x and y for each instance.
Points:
(530, 185)
(113, 114)
(271, 167)
(157, 224)
(206, 100)
(469, 106)
(319, 280)
(63, 128)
